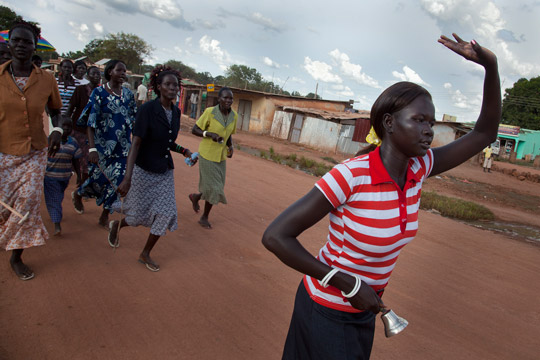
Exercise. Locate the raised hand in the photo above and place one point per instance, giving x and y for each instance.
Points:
(471, 51)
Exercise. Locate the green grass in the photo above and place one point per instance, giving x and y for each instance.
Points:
(263, 154)
(306, 163)
(292, 157)
(330, 159)
(454, 208)
(321, 169)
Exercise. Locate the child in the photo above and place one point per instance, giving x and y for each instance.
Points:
(58, 173)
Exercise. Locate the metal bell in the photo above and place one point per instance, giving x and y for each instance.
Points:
(393, 324)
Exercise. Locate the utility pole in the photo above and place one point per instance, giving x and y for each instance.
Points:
(316, 88)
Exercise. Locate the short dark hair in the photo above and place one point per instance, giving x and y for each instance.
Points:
(159, 73)
(223, 89)
(36, 57)
(90, 68)
(66, 60)
(79, 62)
(33, 28)
(111, 65)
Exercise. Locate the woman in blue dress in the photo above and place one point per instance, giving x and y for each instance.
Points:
(109, 115)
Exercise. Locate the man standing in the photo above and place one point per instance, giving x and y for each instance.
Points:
(142, 93)
(487, 158)
(193, 100)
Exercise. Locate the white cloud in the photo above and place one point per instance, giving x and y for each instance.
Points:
(297, 80)
(258, 19)
(320, 71)
(45, 4)
(409, 74)
(351, 70)
(86, 3)
(98, 27)
(210, 25)
(164, 10)
(211, 47)
(269, 62)
(460, 100)
(484, 19)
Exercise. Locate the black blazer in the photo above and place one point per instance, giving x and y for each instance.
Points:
(158, 138)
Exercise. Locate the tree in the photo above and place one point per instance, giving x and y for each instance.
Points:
(126, 47)
(186, 71)
(313, 96)
(521, 104)
(296, 93)
(7, 17)
(204, 78)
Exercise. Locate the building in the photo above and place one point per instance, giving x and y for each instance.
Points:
(525, 143)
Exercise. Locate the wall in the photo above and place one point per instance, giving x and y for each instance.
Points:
(444, 134)
(320, 134)
(281, 124)
(529, 143)
(345, 143)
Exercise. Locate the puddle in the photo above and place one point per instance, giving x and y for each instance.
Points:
(517, 231)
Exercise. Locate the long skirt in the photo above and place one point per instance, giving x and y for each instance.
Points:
(21, 186)
(212, 180)
(150, 201)
(102, 186)
(321, 333)
(82, 140)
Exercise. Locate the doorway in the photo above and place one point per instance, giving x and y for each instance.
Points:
(244, 114)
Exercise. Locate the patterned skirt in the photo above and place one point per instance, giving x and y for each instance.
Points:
(21, 187)
(82, 139)
(150, 201)
(212, 180)
(102, 185)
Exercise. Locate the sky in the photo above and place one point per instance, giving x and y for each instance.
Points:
(346, 50)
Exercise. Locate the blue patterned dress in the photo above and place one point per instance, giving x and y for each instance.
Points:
(112, 118)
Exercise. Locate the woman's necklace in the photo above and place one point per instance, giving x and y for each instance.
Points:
(13, 77)
(109, 87)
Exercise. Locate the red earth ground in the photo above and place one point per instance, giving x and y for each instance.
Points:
(467, 293)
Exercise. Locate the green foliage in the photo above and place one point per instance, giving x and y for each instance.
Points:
(313, 96)
(126, 47)
(330, 159)
(321, 169)
(454, 208)
(276, 157)
(292, 157)
(73, 54)
(290, 163)
(272, 150)
(306, 163)
(296, 93)
(245, 77)
(7, 17)
(263, 154)
(521, 104)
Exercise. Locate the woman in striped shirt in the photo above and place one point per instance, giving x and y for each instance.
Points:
(373, 202)
(66, 83)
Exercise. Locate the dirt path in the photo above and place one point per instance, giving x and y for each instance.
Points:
(467, 293)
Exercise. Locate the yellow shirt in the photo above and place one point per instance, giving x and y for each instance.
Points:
(212, 120)
(21, 112)
(487, 152)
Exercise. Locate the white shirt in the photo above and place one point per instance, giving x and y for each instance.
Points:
(193, 98)
(142, 92)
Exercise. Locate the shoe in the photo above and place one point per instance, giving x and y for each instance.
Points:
(150, 265)
(113, 234)
(77, 203)
(57, 229)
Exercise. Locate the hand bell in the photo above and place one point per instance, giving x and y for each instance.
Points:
(393, 324)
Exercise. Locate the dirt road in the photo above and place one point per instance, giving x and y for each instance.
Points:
(467, 293)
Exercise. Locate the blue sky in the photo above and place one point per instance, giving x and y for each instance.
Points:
(351, 49)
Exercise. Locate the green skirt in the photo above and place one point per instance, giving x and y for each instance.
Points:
(212, 180)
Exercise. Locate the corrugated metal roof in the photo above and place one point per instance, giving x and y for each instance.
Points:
(102, 61)
(329, 115)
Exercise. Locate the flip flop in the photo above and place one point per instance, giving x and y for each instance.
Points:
(150, 266)
(115, 243)
(195, 205)
(22, 276)
(78, 205)
(205, 224)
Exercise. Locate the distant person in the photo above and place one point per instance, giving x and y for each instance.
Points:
(148, 185)
(110, 115)
(372, 201)
(488, 157)
(23, 145)
(58, 172)
(215, 126)
(142, 94)
(193, 99)
(79, 72)
(5, 54)
(37, 60)
(78, 102)
(66, 83)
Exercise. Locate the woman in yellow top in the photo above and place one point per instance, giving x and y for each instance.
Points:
(215, 126)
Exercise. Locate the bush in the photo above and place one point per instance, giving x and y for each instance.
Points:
(321, 169)
(263, 154)
(454, 208)
(292, 157)
(330, 159)
(306, 163)
(272, 150)
(275, 157)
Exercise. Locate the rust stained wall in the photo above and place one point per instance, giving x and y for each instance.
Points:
(444, 134)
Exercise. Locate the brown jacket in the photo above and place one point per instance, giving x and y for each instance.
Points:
(21, 121)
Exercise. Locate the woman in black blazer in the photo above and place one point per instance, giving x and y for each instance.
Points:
(149, 181)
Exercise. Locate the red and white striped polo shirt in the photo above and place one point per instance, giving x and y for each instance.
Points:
(372, 221)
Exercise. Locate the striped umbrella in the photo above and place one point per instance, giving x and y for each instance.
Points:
(42, 45)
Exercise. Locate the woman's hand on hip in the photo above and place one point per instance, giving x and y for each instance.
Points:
(367, 299)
